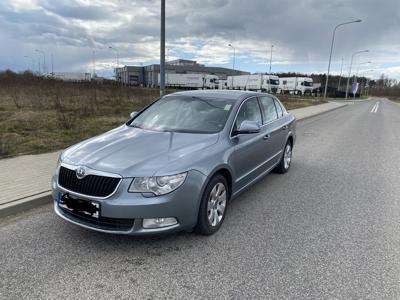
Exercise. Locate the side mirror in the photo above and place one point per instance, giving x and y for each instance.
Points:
(249, 127)
(133, 114)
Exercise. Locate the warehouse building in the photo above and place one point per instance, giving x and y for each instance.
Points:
(148, 75)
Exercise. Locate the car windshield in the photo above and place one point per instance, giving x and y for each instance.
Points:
(307, 83)
(185, 114)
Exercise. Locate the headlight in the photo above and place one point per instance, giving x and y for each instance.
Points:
(158, 185)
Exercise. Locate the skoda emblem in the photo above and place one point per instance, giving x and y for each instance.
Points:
(80, 172)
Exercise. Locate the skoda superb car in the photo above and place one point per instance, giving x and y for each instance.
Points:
(176, 164)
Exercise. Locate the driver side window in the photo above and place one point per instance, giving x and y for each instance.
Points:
(250, 111)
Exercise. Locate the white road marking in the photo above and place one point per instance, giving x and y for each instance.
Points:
(375, 108)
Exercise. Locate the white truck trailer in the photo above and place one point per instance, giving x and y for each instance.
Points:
(295, 85)
(76, 77)
(254, 82)
(222, 84)
(190, 81)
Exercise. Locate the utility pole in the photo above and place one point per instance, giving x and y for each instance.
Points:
(162, 50)
(330, 55)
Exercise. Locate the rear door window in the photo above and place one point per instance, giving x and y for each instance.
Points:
(269, 109)
(279, 109)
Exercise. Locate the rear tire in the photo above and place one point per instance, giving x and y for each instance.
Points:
(213, 206)
(284, 164)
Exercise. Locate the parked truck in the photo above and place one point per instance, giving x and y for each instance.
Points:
(74, 77)
(190, 81)
(222, 84)
(295, 85)
(254, 82)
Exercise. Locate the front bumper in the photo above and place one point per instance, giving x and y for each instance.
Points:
(182, 204)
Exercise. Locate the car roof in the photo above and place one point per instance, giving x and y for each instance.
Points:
(219, 94)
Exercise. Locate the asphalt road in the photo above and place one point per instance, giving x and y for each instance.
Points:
(329, 229)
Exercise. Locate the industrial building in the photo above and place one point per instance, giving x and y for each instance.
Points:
(148, 75)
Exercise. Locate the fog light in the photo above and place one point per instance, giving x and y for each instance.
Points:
(159, 222)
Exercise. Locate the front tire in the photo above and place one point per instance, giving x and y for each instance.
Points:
(213, 206)
(284, 164)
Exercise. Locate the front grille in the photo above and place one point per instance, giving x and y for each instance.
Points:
(91, 185)
(100, 223)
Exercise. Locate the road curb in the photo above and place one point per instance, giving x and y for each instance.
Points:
(322, 112)
(27, 203)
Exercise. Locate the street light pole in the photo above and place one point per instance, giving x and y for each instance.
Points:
(351, 64)
(358, 67)
(38, 59)
(116, 71)
(340, 76)
(233, 63)
(270, 67)
(33, 62)
(94, 64)
(166, 68)
(52, 65)
(116, 50)
(44, 60)
(330, 55)
(355, 76)
(270, 60)
(162, 50)
(366, 86)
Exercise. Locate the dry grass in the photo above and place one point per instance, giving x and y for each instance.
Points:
(394, 98)
(38, 115)
(44, 115)
(293, 102)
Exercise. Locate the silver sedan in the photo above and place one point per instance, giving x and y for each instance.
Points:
(176, 165)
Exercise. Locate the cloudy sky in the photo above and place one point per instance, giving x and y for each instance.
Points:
(300, 31)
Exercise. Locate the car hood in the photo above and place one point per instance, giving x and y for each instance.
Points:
(133, 152)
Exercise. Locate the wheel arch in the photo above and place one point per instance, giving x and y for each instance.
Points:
(225, 171)
(290, 139)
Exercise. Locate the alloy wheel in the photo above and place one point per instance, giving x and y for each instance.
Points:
(216, 204)
(287, 158)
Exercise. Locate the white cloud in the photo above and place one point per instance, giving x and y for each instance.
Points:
(300, 32)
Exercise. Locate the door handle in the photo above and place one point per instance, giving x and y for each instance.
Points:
(284, 127)
(266, 137)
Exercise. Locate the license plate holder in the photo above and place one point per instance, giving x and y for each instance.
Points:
(87, 207)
